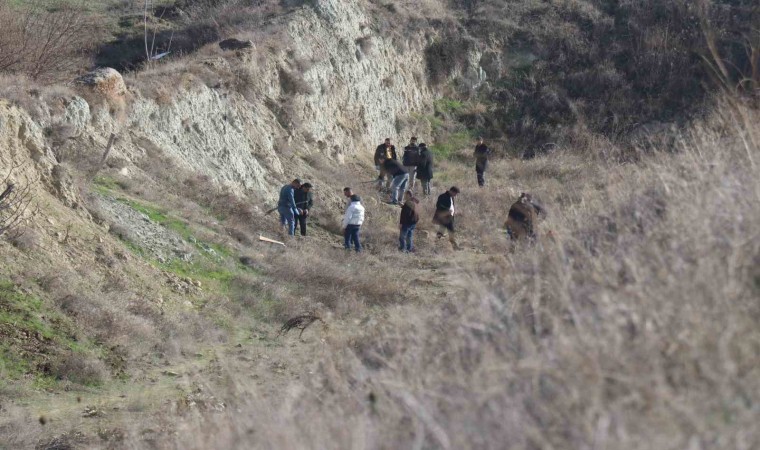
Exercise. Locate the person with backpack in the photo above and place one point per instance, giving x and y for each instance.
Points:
(444, 215)
(481, 154)
(408, 221)
(425, 168)
(352, 222)
(400, 178)
(410, 159)
(304, 201)
(386, 150)
(287, 208)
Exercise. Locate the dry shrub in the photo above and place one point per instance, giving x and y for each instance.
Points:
(26, 240)
(46, 44)
(78, 368)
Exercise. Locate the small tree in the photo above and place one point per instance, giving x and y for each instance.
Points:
(43, 43)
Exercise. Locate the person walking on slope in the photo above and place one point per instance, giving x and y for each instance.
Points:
(400, 179)
(410, 159)
(352, 221)
(408, 221)
(522, 218)
(481, 161)
(386, 150)
(425, 168)
(304, 201)
(444, 215)
(287, 208)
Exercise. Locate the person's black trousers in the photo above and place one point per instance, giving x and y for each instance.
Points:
(301, 221)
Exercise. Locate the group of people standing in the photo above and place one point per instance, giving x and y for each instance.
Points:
(416, 164)
(399, 176)
(408, 219)
(294, 205)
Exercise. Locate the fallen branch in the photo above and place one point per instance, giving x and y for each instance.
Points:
(271, 241)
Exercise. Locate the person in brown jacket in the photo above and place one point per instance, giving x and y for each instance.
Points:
(408, 221)
(522, 218)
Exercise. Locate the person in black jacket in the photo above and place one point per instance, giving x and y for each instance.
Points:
(400, 178)
(386, 150)
(425, 168)
(304, 201)
(444, 215)
(481, 161)
(407, 222)
(410, 159)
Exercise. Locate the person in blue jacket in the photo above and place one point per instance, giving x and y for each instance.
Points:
(287, 208)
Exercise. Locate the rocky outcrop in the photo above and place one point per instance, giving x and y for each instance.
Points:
(106, 81)
(235, 44)
(333, 89)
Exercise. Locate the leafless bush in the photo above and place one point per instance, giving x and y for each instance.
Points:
(45, 44)
(78, 368)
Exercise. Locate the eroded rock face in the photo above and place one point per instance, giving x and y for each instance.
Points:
(212, 133)
(26, 156)
(23, 145)
(333, 92)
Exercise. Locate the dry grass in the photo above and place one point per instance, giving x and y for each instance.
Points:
(634, 327)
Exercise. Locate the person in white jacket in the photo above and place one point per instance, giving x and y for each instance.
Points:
(352, 221)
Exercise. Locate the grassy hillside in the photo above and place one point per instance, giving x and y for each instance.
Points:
(632, 324)
(145, 312)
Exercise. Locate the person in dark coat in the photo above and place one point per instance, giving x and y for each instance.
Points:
(287, 208)
(386, 150)
(481, 161)
(425, 168)
(407, 222)
(522, 218)
(304, 201)
(410, 159)
(444, 215)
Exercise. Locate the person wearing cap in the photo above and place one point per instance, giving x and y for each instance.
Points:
(287, 208)
(481, 154)
(400, 178)
(386, 150)
(304, 201)
(352, 222)
(444, 215)
(425, 168)
(410, 159)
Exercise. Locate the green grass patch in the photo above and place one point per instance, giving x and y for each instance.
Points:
(104, 185)
(449, 147)
(26, 315)
(448, 106)
(161, 217)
